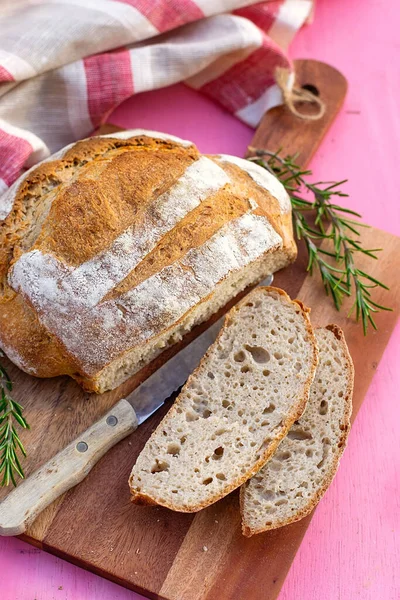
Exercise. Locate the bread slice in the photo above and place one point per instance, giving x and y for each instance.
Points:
(290, 485)
(248, 390)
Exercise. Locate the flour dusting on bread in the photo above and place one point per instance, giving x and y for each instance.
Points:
(116, 246)
(64, 303)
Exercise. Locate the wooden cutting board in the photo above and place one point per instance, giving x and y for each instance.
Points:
(155, 551)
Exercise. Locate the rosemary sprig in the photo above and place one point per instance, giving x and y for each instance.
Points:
(330, 222)
(10, 443)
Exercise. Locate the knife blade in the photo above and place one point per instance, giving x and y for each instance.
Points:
(70, 466)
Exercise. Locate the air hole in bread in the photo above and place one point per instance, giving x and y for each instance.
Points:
(239, 356)
(281, 501)
(340, 394)
(220, 431)
(245, 369)
(191, 416)
(291, 340)
(218, 453)
(268, 495)
(159, 466)
(281, 456)
(225, 403)
(278, 355)
(258, 354)
(173, 449)
(266, 372)
(274, 465)
(323, 407)
(207, 481)
(299, 434)
(210, 375)
(297, 366)
(264, 423)
(183, 439)
(309, 453)
(227, 374)
(220, 476)
(325, 452)
(269, 409)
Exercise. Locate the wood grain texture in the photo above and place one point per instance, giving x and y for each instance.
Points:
(153, 550)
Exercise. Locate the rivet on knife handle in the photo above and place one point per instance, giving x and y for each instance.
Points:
(65, 470)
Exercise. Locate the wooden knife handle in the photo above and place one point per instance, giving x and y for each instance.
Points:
(65, 470)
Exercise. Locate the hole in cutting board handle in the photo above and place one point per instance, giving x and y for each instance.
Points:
(310, 88)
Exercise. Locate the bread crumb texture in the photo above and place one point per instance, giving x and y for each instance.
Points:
(288, 487)
(248, 390)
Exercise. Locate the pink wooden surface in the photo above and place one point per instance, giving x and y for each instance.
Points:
(352, 548)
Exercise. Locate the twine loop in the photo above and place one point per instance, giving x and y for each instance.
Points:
(293, 95)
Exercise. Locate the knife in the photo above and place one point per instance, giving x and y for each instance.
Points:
(71, 465)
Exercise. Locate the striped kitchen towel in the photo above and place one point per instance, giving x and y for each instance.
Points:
(66, 64)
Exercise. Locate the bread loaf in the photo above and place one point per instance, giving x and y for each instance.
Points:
(290, 485)
(112, 249)
(250, 387)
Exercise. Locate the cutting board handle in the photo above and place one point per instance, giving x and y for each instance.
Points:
(280, 130)
(65, 470)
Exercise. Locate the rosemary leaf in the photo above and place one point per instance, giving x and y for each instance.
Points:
(330, 222)
(11, 412)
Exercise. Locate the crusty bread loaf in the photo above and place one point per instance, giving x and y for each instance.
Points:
(290, 485)
(248, 390)
(115, 247)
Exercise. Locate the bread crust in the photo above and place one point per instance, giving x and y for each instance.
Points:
(143, 499)
(72, 208)
(345, 429)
